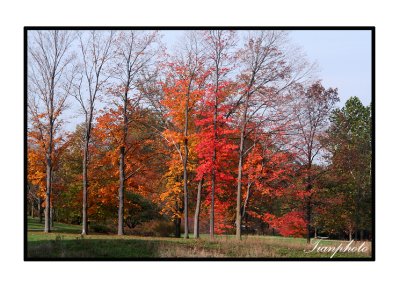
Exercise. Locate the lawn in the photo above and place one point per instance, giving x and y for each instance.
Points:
(65, 241)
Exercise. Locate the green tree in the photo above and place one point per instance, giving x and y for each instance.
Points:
(349, 144)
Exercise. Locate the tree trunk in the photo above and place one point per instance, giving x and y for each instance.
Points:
(121, 191)
(213, 174)
(246, 201)
(357, 217)
(239, 188)
(49, 162)
(308, 219)
(240, 167)
(51, 217)
(40, 210)
(47, 227)
(185, 160)
(85, 189)
(212, 204)
(308, 204)
(238, 201)
(185, 193)
(197, 213)
(177, 223)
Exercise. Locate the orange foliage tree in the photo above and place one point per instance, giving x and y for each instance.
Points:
(182, 90)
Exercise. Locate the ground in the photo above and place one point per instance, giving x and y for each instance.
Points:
(66, 242)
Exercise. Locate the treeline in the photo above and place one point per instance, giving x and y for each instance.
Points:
(225, 133)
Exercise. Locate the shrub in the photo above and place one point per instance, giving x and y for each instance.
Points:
(99, 228)
(158, 228)
(76, 220)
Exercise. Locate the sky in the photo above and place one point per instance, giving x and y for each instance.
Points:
(343, 58)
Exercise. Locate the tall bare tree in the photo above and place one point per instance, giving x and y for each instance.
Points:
(96, 51)
(49, 59)
(268, 69)
(311, 107)
(135, 53)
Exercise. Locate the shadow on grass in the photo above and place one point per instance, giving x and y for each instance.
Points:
(66, 242)
(100, 247)
(92, 248)
(35, 226)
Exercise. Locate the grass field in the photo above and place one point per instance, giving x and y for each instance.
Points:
(66, 242)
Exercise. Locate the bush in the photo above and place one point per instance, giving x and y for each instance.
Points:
(157, 228)
(139, 210)
(98, 228)
(76, 220)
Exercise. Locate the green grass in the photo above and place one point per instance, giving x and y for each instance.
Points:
(35, 226)
(65, 241)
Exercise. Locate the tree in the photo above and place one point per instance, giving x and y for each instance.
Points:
(216, 151)
(311, 110)
(36, 173)
(96, 50)
(135, 52)
(183, 88)
(196, 226)
(144, 165)
(269, 174)
(348, 142)
(267, 72)
(69, 177)
(49, 83)
(219, 48)
(172, 197)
